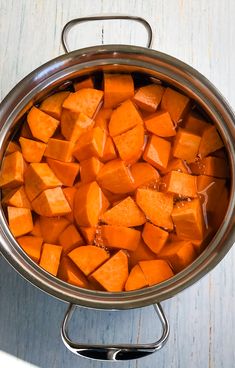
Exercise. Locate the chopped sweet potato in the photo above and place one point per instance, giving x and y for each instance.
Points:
(142, 253)
(17, 198)
(42, 125)
(160, 124)
(70, 239)
(86, 83)
(66, 172)
(209, 190)
(175, 103)
(117, 88)
(52, 227)
(143, 174)
(126, 213)
(59, 149)
(154, 237)
(195, 124)
(210, 141)
(74, 124)
(50, 258)
(211, 166)
(89, 169)
(180, 184)
(136, 279)
(85, 100)
(52, 105)
(88, 258)
(116, 177)
(113, 274)
(179, 254)
(11, 148)
(156, 271)
(32, 151)
(12, 171)
(149, 97)
(125, 117)
(25, 131)
(20, 220)
(102, 118)
(176, 164)
(157, 152)
(69, 195)
(219, 213)
(120, 237)
(90, 144)
(109, 151)
(50, 203)
(88, 233)
(70, 273)
(89, 203)
(186, 145)
(36, 231)
(157, 206)
(32, 245)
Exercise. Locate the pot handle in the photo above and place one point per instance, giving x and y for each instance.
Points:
(114, 352)
(73, 22)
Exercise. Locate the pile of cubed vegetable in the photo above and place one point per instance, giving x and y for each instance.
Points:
(115, 188)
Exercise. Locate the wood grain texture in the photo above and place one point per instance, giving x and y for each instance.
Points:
(202, 319)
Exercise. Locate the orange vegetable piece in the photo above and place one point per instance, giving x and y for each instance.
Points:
(109, 151)
(25, 131)
(211, 166)
(52, 227)
(70, 239)
(113, 274)
(90, 144)
(69, 195)
(157, 152)
(88, 258)
(136, 279)
(130, 144)
(116, 177)
(125, 213)
(210, 141)
(42, 125)
(32, 245)
(157, 206)
(219, 213)
(175, 103)
(86, 83)
(36, 228)
(114, 197)
(186, 145)
(50, 258)
(102, 118)
(85, 100)
(179, 254)
(143, 174)
(88, 233)
(120, 237)
(39, 177)
(74, 124)
(156, 271)
(180, 184)
(17, 198)
(210, 190)
(117, 88)
(188, 220)
(19, 220)
(142, 253)
(59, 150)
(160, 124)
(32, 151)
(66, 172)
(51, 202)
(154, 237)
(149, 97)
(195, 124)
(12, 170)
(89, 203)
(11, 148)
(125, 117)
(52, 105)
(89, 169)
(70, 273)
(176, 164)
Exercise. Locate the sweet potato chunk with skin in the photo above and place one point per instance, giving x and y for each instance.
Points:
(112, 275)
(52, 227)
(126, 213)
(156, 271)
(74, 124)
(188, 220)
(85, 100)
(136, 279)
(86, 83)
(70, 239)
(109, 151)
(209, 190)
(90, 144)
(210, 166)
(50, 203)
(32, 151)
(195, 123)
(154, 237)
(180, 184)
(176, 164)
(210, 141)
(102, 118)
(32, 245)
(143, 174)
(157, 206)
(116, 177)
(11, 148)
(160, 124)
(117, 88)
(39, 177)
(59, 149)
(88, 233)
(17, 198)
(130, 144)
(89, 203)
(179, 254)
(52, 105)
(42, 125)
(69, 195)
(70, 273)
(89, 169)
(124, 118)
(50, 258)
(157, 152)
(66, 172)
(20, 220)
(12, 171)
(186, 145)
(149, 97)
(175, 103)
(142, 253)
(120, 237)
(88, 258)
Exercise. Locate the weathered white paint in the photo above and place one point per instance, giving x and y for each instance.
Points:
(202, 319)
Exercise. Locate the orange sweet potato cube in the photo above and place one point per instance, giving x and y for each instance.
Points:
(176, 164)
(32, 245)
(12, 170)
(51, 228)
(195, 124)
(90, 144)
(180, 184)
(11, 148)
(117, 88)
(154, 237)
(59, 149)
(186, 145)
(157, 152)
(143, 174)
(42, 125)
(179, 254)
(102, 118)
(70, 273)
(85, 100)
(211, 166)
(85, 83)
(120, 237)
(149, 97)
(141, 253)
(156, 271)
(88, 233)
(32, 151)
(19, 220)
(160, 124)
(52, 105)
(50, 258)
(66, 172)
(69, 193)
(136, 279)
(70, 239)
(17, 198)
(74, 124)
(109, 151)
(89, 169)
(210, 141)
(175, 103)
(50, 203)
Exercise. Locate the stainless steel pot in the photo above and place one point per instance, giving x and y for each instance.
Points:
(53, 75)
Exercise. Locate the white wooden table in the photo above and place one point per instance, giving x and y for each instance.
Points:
(202, 318)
